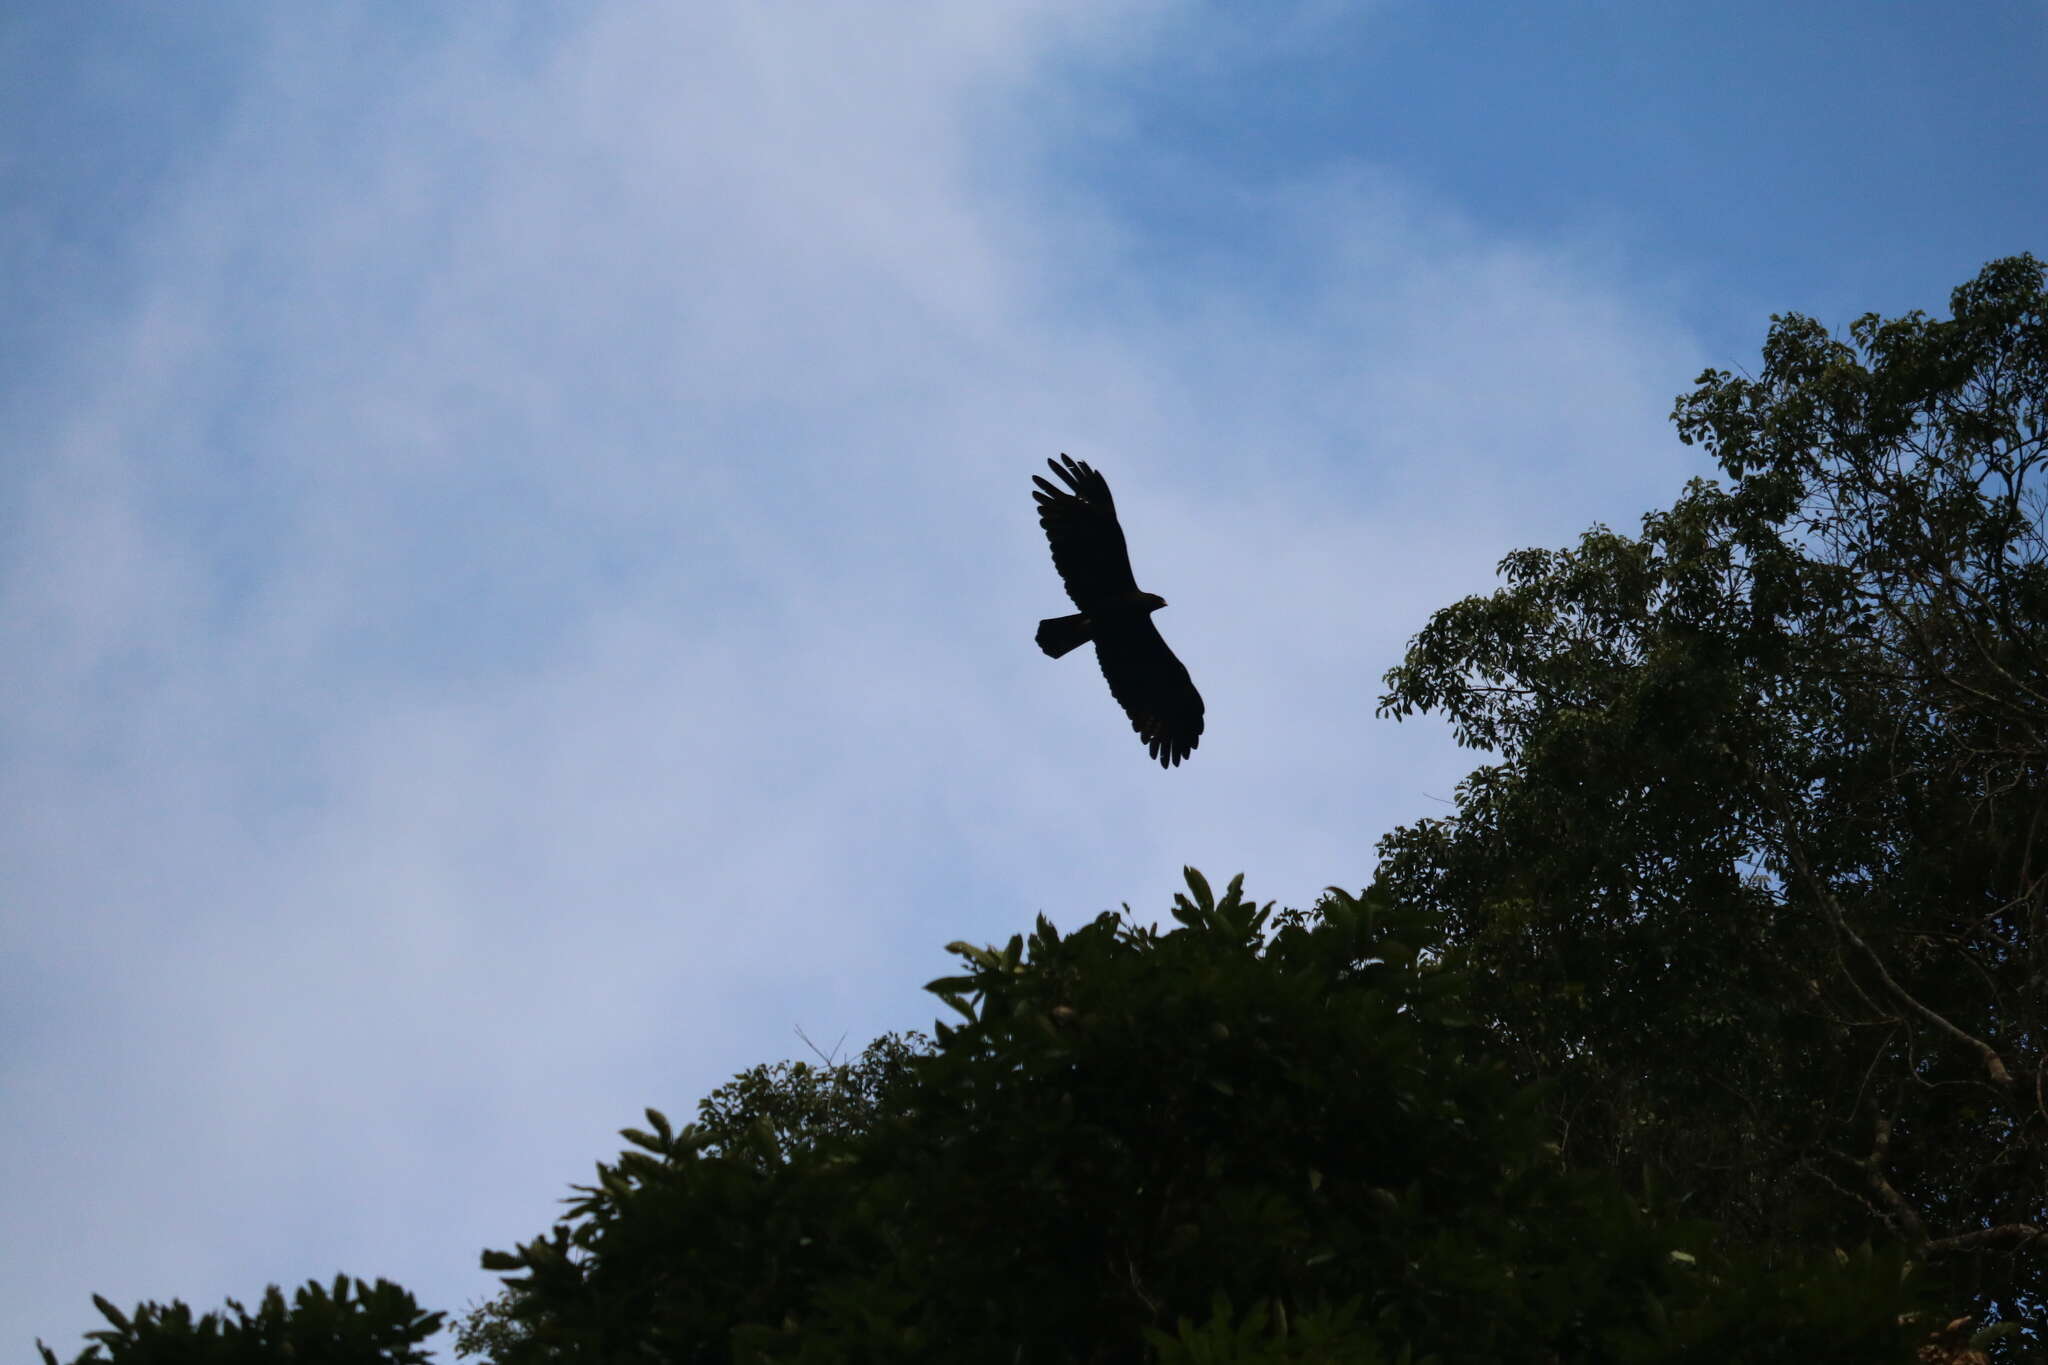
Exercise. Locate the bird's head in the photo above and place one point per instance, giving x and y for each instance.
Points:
(1151, 601)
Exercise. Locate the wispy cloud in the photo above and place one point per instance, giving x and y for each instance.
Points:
(533, 601)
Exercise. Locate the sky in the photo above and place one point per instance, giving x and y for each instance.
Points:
(516, 557)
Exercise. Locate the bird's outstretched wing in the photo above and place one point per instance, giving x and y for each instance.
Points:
(1087, 542)
(1153, 687)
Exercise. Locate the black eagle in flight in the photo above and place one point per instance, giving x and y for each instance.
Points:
(1088, 549)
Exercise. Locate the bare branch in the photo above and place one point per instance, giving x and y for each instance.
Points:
(2019, 1236)
(1993, 1063)
(1905, 1215)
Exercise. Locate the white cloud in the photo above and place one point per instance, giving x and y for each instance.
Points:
(538, 603)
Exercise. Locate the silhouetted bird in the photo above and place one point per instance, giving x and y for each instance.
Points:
(1088, 549)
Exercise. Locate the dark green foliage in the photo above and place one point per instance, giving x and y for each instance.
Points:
(351, 1324)
(1255, 1137)
(797, 1104)
(1759, 872)
(761, 1121)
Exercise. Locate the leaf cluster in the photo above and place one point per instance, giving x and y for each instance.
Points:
(350, 1323)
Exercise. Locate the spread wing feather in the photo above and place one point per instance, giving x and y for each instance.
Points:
(1087, 541)
(1153, 687)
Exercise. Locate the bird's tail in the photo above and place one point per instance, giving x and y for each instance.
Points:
(1058, 634)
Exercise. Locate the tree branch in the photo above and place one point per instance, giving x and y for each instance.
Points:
(1993, 1063)
(2021, 1237)
(1873, 1170)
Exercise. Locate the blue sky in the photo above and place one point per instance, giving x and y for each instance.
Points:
(515, 542)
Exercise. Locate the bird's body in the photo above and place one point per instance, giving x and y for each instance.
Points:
(1088, 549)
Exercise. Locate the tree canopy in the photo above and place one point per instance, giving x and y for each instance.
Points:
(1757, 872)
(349, 1323)
(1256, 1137)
